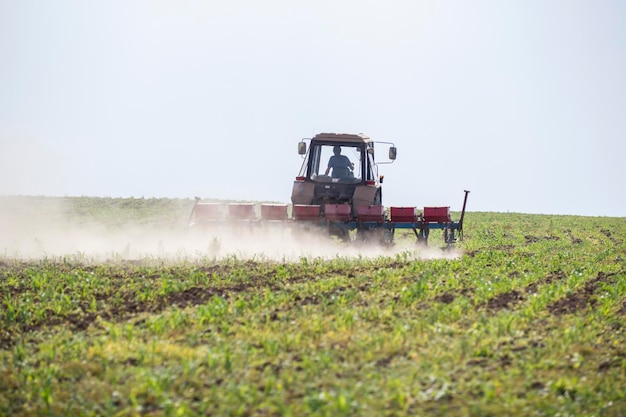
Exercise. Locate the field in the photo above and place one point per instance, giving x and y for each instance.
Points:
(526, 318)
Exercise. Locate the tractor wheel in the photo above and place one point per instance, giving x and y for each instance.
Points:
(341, 233)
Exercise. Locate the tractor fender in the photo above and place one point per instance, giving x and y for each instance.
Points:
(302, 192)
(364, 195)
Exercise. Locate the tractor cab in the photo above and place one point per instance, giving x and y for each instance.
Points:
(329, 162)
(338, 169)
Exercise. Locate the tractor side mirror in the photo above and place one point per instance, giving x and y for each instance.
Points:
(393, 151)
(301, 148)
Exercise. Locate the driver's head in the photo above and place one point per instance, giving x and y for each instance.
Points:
(337, 150)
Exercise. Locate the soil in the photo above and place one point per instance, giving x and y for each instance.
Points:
(582, 298)
(505, 300)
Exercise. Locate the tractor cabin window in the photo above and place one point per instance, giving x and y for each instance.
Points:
(334, 163)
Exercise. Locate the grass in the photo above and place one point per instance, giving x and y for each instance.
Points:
(529, 321)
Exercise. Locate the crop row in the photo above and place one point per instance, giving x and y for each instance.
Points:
(529, 321)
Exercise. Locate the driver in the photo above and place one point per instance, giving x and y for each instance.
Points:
(341, 165)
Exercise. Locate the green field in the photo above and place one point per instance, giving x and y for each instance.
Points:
(528, 320)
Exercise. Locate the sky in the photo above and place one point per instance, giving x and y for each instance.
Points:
(521, 102)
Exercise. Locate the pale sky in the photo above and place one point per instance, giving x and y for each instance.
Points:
(521, 102)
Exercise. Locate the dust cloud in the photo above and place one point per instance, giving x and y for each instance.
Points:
(40, 228)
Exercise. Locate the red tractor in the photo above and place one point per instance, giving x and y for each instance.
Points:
(339, 189)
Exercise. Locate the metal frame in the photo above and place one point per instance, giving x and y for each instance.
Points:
(387, 228)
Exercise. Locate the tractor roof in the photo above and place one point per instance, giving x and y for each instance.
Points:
(342, 137)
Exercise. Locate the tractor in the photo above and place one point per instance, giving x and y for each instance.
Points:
(339, 174)
(338, 189)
